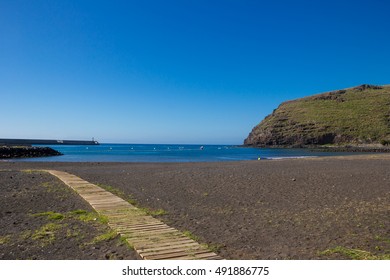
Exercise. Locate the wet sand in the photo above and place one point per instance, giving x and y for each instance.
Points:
(279, 209)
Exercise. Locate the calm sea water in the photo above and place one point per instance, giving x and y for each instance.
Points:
(171, 153)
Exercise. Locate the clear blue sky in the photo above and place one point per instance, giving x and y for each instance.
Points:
(178, 71)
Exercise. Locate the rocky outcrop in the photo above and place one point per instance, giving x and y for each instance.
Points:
(27, 152)
(359, 115)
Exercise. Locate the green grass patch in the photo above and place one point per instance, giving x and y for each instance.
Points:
(79, 214)
(74, 233)
(191, 235)
(124, 241)
(383, 239)
(26, 234)
(355, 254)
(110, 235)
(46, 233)
(29, 171)
(87, 216)
(155, 213)
(216, 248)
(5, 239)
(50, 215)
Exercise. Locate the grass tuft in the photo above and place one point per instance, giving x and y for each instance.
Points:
(155, 213)
(46, 233)
(191, 235)
(86, 216)
(50, 215)
(110, 235)
(5, 239)
(216, 248)
(355, 254)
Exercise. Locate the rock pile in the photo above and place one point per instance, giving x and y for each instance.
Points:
(27, 152)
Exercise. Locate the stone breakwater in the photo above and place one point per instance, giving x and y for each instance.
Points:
(27, 152)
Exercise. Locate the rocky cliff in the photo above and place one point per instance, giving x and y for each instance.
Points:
(359, 115)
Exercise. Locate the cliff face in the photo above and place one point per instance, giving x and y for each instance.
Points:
(359, 115)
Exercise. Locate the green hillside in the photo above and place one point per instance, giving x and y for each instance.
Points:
(359, 115)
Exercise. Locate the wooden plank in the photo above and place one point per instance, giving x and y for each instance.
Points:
(178, 240)
(145, 244)
(135, 234)
(216, 257)
(170, 247)
(134, 240)
(175, 255)
(205, 256)
(143, 227)
(105, 201)
(130, 224)
(186, 250)
(146, 229)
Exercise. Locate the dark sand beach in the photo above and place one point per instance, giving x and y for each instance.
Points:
(41, 218)
(325, 208)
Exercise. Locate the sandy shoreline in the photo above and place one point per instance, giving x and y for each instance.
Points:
(279, 209)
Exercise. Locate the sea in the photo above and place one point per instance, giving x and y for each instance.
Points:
(172, 153)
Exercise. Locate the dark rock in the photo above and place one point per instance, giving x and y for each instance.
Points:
(24, 152)
(365, 86)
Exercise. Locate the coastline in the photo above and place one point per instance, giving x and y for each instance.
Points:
(353, 149)
(331, 149)
(277, 209)
(182, 153)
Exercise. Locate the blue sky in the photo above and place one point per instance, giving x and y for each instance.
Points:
(201, 72)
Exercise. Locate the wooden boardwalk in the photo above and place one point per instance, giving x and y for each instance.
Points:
(152, 239)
